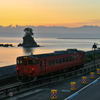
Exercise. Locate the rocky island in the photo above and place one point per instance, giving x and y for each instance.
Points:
(28, 39)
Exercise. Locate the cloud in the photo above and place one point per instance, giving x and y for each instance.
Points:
(52, 31)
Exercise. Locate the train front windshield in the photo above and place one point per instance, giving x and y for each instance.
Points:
(19, 62)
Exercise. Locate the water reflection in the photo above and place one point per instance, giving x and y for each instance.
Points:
(28, 50)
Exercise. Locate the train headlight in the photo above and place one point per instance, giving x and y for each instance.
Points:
(17, 68)
(32, 69)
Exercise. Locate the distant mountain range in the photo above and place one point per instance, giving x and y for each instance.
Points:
(52, 31)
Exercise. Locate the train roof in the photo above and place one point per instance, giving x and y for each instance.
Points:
(68, 51)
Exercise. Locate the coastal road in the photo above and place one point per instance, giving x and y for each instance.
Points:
(91, 92)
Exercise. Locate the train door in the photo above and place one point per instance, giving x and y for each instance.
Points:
(25, 67)
(42, 67)
(82, 58)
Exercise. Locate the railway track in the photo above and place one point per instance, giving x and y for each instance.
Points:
(19, 87)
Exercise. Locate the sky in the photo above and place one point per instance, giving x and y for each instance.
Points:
(68, 13)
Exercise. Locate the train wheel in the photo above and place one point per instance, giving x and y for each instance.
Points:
(74, 68)
(35, 78)
(19, 78)
(22, 79)
(66, 70)
(82, 66)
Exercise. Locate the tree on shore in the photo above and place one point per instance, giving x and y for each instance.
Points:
(28, 31)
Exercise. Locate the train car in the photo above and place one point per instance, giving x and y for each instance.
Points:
(33, 66)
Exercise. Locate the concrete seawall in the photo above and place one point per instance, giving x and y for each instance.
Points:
(8, 71)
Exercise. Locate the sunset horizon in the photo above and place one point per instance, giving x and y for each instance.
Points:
(67, 13)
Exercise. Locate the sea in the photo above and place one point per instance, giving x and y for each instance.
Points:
(8, 55)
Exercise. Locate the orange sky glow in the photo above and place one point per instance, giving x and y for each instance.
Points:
(68, 13)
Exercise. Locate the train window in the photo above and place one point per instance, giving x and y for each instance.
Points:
(66, 59)
(19, 62)
(70, 58)
(40, 63)
(34, 62)
(74, 57)
(37, 61)
(60, 61)
(80, 56)
(43, 63)
(25, 63)
(52, 62)
(63, 60)
(30, 62)
(56, 61)
(49, 62)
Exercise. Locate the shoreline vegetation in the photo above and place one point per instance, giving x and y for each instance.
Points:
(90, 57)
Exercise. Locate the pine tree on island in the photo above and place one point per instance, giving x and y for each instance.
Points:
(28, 31)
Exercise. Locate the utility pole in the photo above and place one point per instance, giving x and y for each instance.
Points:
(94, 46)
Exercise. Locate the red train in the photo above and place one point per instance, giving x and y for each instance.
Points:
(37, 65)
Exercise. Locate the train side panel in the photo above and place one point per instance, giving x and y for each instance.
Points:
(64, 61)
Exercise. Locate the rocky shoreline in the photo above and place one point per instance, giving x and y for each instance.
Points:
(19, 45)
(6, 45)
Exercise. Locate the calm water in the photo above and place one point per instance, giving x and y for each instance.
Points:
(8, 55)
